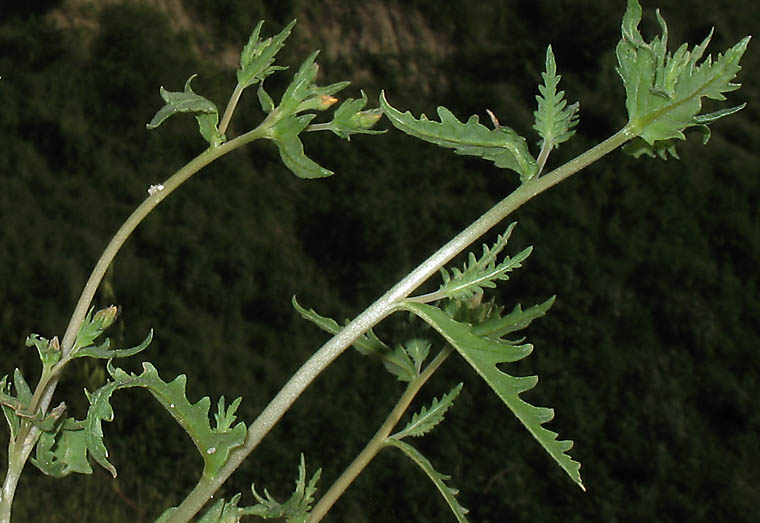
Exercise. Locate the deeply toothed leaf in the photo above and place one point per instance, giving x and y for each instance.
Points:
(484, 354)
(438, 479)
(664, 91)
(258, 55)
(503, 145)
(426, 419)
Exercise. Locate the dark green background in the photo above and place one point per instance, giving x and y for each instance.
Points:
(649, 355)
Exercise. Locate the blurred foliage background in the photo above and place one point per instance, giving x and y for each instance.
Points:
(649, 355)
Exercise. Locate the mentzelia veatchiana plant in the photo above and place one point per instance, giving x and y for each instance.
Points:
(664, 95)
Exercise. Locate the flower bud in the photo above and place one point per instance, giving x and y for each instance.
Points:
(317, 103)
(367, 119)
(105, 317)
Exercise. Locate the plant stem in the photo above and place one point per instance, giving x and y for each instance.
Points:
(234, 99)
(377, 443)
(380, 309)
(27, 435)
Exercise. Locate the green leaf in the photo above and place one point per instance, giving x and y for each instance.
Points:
(350, 119)
(484, 354)
(417, 349)
(225, 417)
(478, 274)
(214, 444)
(438, 479)
(187, 101)
(104, 352)
(303, 94)
(664, 92)
(554, 118)
(294, 510)
(48, 350)
(13, 405)
(399, 363)
(426, 419)
(93, 326)
(395, 360)
(258, 55)
(285, 134)
(497, 326)
(502, 145)
(267, 104)
(63, 451)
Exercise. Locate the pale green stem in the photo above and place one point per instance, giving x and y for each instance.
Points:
(377, 443)
(27, 435)
(543, 155)
(376, 312)
(234, 99)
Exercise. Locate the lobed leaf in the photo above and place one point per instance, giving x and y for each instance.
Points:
(285, 134)
(497, 326)
(296, 509)
(214, 444)
(187, 101)
(48, 350)
(554, 118)
(258, 55)
(426, 419)
(478, 274)
(502, 145)
(438, 479)
(418, 350)
(664, 92)
(484, 354)
(63, 451)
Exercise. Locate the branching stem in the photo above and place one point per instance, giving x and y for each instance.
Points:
(26, 438)
(379, 310)
(377, 443)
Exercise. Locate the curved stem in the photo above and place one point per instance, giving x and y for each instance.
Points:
(380, 309)
(377, 443)
(21, 448)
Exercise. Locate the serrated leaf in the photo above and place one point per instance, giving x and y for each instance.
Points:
(555, 119)
(497, 326)
(418, 350)
(93, 326)
(438, 479)
(367, 344)
(664, 92)
(285, 134)
(187, 101)
(258, 55)
(484, 354)
(478, 274)
(296, 509)
(225, 417)
(503, 145)
(399, 363)
(214, 444)
(426, 419)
